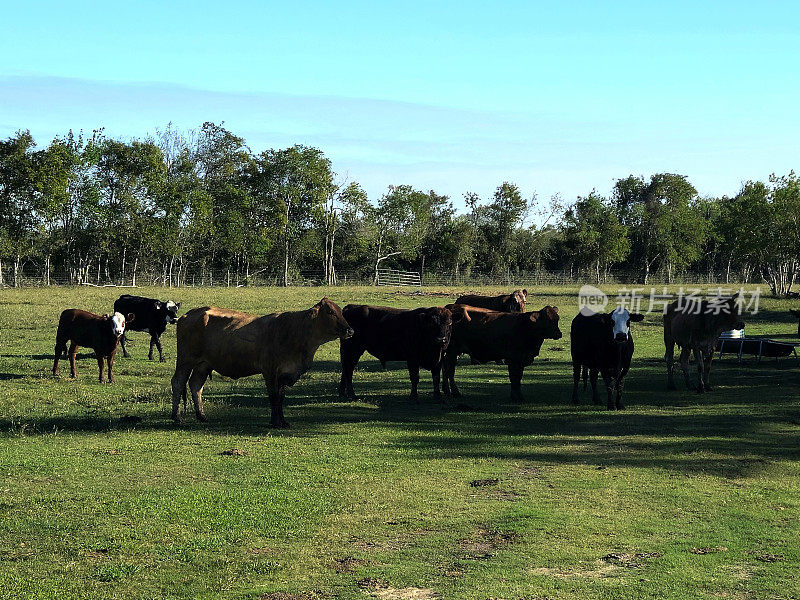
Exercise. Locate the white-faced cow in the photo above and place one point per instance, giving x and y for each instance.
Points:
(98, 332)
(152, 316)
(602, 343)
(280, 346)
(695, 327)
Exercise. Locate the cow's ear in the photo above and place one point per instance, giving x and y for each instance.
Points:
(525, 293)
(130, 317)
(460, 314)
(158, 304)
(636, 317)
(178, 305)
(734, 297)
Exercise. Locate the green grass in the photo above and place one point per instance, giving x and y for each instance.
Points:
(378, 491)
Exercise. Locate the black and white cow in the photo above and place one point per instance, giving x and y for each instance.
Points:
(602, 342)
(152, 316)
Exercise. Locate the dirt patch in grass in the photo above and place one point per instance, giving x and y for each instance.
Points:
(232, 452)
(380, 588)
(602, 569)
(630, 561)
(289, 596)
(767, 557)
(484, 482)
(348, 564)
(483, 543)
(708, 550)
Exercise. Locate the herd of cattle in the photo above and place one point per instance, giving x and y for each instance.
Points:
(281, 346)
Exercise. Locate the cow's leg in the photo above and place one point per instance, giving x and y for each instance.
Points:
(152, 343)
(111, 366)
(413, 375)
(179, 382)
(576, 379)
(196, 382)
(122, 341)
(160, 350)
(669, 357)
(698, 357)
(349, 355)
(101, 365)
(436, 375)
(449, 368)
(707, 357)
(515, 370)
(620, 381)
(684, 360)
(60, 349)
(276, 398)
(593, 380)
(608, 380)
(73, 351)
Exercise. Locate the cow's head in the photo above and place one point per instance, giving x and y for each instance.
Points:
(118, 322)
(436, 325)
(730, 313)
(546, 321)
(516, 301)
(621, 324)
(169, 309)
(331, 320)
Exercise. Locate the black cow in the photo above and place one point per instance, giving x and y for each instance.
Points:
(417, 337)
(152, 316)
(603, 343)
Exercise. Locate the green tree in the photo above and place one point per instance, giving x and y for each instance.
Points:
(595, 233)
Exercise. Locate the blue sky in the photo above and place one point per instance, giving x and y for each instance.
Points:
(454, 96)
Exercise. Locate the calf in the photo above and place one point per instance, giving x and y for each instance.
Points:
(602, 342)
(488, 335)
(513, 302)
(152, 316)
(418, 337)
(280, 346)
(99, 332)
(695, 326)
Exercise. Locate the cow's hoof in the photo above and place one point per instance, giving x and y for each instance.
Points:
(671, 387)
(620, 406)
(279, 425)
(162, 359)
(708, 388)
(609, 407)
(202, 417)
(125, 355)
(177, 419)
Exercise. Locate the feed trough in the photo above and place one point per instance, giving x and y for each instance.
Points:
(735, 342)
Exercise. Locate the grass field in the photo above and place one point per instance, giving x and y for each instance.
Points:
(679, 496)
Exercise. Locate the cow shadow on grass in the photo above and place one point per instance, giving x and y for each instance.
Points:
(752, 420)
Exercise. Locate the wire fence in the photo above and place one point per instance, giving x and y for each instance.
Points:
(34, 276)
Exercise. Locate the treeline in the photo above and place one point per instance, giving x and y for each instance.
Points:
(202, 203)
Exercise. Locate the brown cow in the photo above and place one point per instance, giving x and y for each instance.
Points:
(513, 302)
(417, 337)
(98, 332)
(488, 335)
(695, 326)
(280, 346)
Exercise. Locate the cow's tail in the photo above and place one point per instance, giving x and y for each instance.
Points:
(584, 374)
